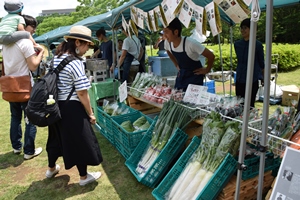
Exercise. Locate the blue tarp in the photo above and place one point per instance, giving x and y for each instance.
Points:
(113, 18)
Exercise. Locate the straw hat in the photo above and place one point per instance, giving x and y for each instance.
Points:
(80, 33)
(13, 6)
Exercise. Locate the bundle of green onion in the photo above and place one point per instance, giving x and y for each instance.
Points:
(172, 116)
(217, 141)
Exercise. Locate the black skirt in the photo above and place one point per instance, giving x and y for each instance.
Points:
(74, 137)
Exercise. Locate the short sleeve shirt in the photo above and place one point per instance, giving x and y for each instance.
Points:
(9, 24)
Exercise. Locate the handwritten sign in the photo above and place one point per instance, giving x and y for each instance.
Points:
(123, 91)
(192, 93)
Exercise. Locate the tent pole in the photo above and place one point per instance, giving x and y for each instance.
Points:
(248, 91)
(221, 63)
(231, 42)
(267, 72)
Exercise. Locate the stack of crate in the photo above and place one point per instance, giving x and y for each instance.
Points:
(97, 69)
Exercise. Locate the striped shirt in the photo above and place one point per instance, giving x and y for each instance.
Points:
(73, 74)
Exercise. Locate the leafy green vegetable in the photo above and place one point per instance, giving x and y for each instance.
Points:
(140, 121)
(127, 126)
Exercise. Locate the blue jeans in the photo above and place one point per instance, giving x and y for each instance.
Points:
(16, 110)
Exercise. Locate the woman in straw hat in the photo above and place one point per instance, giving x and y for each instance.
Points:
(73, 137)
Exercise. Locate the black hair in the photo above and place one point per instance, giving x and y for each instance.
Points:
(101, 31)
(52, 46)
(30, 21)
(246, 22)
(175, 24)
(69, 46)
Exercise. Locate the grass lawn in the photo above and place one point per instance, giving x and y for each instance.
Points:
(20, 179)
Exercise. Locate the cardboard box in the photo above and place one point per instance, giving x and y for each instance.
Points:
(290, 92)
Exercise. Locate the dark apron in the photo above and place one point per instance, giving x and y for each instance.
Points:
(186, 75)
(126, 66)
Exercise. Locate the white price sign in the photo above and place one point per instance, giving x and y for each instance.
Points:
(192, 93)
(123, 91)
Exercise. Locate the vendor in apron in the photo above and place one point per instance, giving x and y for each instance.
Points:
(185, 54)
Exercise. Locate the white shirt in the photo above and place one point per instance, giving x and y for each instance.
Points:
(193, 48)
(132, 45)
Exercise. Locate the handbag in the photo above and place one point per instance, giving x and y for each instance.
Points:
(15, 88)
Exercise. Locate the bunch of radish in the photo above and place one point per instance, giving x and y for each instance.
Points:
(161, 93)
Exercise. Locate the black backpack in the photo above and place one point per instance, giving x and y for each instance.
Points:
(37, 110)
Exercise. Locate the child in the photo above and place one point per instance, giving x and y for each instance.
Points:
(12, 25)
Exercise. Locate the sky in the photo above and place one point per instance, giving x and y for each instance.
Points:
(35, 7)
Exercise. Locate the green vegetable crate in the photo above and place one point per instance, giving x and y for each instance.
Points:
(159, 167)
(128, 139)
(215, 185)
(252, 164)
(126, 142)
(105, 121)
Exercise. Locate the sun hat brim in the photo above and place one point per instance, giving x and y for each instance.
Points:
(79, 37)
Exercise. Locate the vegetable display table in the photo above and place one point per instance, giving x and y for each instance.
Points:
(99, 90)
(148, 107)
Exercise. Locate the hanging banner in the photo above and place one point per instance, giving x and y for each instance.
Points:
(169, 15)
(147, 20)
(153, 20)
(247, 2)
(140, 18)
(213, 17)
(133, 27)
(124, 23)
(160, 15)
(200, 19)
(133, 14)
(186, 12)
(233, 9)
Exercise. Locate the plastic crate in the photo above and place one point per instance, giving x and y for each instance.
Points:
(124, 151)
(162, 66)
(210, 86)
(128, 139)
(214, 186)
(105, 121)
(252, 164)
(160, 166)
(176, 170)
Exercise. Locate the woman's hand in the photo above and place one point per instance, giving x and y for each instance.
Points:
(92, 119)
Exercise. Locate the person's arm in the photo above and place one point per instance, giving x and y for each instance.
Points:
(157, 43)
(122, 58)
(34, 61)
(22, 28)
(85, 100)
(141, 53)
(95, 55)
(210, 60)
(173, 59)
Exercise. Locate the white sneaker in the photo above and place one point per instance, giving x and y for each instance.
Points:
(37, 152)
(50, 174)
(17, 151)
(91, 177)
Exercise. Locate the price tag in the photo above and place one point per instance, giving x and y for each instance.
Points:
(192, 93)
(123, 91)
